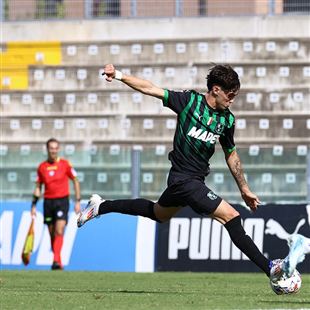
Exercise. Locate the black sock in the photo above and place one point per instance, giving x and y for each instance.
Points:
(246, 244)
(138, 206)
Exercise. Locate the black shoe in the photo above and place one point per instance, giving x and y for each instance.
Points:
(56, 266)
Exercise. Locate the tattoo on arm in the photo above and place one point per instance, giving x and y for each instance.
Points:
(235, 167)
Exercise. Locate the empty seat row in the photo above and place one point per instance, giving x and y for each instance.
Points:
(168, 71)
(152, 157)
(152, 122)
(201, 50)
(153, 128)
(18, 56)
(269, 76)
(134, 102)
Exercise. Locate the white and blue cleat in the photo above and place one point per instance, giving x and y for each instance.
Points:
(298, 248)
(91, 211)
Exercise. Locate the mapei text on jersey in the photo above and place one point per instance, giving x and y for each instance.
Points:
(203, 135)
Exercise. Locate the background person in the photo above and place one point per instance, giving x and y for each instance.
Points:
(54, 174)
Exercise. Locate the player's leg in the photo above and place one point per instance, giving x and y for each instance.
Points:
(58, 242)
(299, 247)
(142, 207)
(52, 233)
(231, 220)
(205, 202)
(48, 218)
(139, 206)
(164, 214)
(97, 206)
(161, 211)
(60, 221)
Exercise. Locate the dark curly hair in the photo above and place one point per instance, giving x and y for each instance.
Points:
(224, 76)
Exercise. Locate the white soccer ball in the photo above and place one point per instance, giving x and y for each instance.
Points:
(287, 285)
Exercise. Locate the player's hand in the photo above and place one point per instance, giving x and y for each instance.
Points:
(33, 211)
(77, 207)
(251, 200)
(109, 72)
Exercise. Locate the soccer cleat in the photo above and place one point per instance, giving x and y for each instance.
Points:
(298, 249)
(57, 266)
(276, 270)
(91, 210)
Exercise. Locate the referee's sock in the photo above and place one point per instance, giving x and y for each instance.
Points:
(142, 207)
(57, 246)
(246, 244)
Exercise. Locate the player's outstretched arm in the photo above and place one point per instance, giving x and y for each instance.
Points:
(144, 86)
(234, 163)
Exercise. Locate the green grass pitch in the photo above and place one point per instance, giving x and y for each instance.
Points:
(170, 290)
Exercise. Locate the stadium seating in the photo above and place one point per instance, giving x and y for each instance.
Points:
(185, 51)
(168, 75)
(130, 102)
(18, 56)
(156, 128)
(57, 89)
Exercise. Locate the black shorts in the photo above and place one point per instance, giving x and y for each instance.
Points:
(184, 190)
(55, 209)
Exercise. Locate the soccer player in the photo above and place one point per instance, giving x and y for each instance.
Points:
(202, 120)
(54, 174)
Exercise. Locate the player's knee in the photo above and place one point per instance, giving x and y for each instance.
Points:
(162, 218)
(233, 213)
(59, 231)
(225, 212)
(163, 214)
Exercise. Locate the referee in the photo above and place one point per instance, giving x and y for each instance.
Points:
(54, 174)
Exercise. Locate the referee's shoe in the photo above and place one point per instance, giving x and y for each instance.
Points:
(91, 210)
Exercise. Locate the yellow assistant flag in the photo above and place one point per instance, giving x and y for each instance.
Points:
(28, 246)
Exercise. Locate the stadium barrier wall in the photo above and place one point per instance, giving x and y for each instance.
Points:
(121, 243)
(114, 242)
(292, 26)
(192, 243)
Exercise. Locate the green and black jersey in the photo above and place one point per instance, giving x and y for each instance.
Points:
(198, 128)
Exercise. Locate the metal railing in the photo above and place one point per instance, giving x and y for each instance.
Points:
(123, 171)
(16, 10)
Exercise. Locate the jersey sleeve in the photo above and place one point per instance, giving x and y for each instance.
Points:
(71, 172)
(176, 100)
(227, 140)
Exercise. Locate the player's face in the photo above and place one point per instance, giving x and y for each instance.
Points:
(52, 151)
(224, 99)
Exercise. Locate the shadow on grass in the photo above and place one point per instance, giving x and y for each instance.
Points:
(98, 291)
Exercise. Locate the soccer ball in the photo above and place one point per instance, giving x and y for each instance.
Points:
(287, 285)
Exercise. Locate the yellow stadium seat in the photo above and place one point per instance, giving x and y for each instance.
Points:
(14, 78)
(18, 56)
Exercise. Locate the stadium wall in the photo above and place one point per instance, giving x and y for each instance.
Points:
(160, 28)
(121, 243)
(113, 243)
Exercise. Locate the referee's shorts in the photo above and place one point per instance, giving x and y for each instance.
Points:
(55, 209)
(185, 190)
